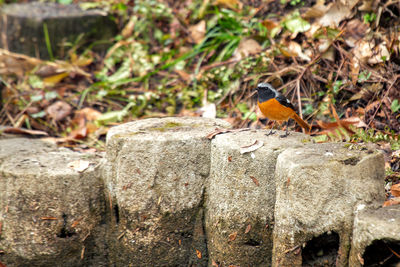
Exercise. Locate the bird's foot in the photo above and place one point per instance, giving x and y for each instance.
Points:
(286, 134)
(270, 133)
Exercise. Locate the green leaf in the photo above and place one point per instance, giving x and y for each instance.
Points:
(36, 98)
(363, 76)
(35, 81)
(65, 2)
(336, 86)
(242, 107)
(40, 114)
(395, 106)
(296, 24)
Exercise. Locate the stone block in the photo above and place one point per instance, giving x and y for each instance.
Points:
(42, 29)
(156, 177)
(376, 237)
(318, 188)
(241, 197)
(48, 210)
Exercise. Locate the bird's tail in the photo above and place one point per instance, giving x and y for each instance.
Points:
(302, 123)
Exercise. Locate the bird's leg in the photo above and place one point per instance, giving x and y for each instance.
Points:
(271, 132)
(287, 131)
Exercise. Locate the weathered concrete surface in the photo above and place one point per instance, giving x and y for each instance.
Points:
(48, 211)
(23, 28)
(241, 197)
(318, 187)
(372, 225)
(156, 178)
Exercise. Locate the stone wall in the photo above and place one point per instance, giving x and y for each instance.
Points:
(166, 195)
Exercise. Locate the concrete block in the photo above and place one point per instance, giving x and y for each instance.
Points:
(241, 197)
(156, 177)
(318, 188)
(48, 210)
(376, 237)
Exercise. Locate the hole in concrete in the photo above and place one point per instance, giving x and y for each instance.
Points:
(64, 232)
(382, 253)
(351, 161)
(252, 242)
(116, 213)
(321, 250)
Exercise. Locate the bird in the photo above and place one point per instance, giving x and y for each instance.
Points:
(277, 107)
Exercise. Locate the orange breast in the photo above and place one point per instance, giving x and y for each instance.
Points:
(273, 110)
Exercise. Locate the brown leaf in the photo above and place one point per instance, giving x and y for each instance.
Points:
(336, 13)
(232, 4)
(54, 79)
(360, 259)
(90, 114)
(79, 165)
(395, 190)
(128, 29)
(250, 148)
(270, 24)
(232, 236)
(248, 228)
(198, 31)
(25, 132)
(78, 133)
(75, 223)
(246, 48)
(49, 218)
(18, 64)
(390, 202)
(59, 110)
(255, 180)
(198, 254)
(213, 263)
(222, 130)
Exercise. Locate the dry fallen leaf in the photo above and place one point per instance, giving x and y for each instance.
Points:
(250, 148)
(55, 79)
(255, 180)
(246, 48)
(390, 202)
(221, 131)
(89, 113)
(198, 31)
(49, 218)
(360, 259)
(79, 165)
(24, 131)
(232, 4)
(59, 110)
(232, 236)
(248, 228)
(198, 254)
(395, 190)
(336, 13)
(295, 49)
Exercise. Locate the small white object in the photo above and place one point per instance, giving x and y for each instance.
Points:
(360, 207)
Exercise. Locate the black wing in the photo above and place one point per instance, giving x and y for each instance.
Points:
(284, 101)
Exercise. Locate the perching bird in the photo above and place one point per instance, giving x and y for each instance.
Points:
(276, 106)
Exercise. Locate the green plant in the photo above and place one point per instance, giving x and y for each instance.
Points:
(364, 76)
(395, 106)
(369, 17)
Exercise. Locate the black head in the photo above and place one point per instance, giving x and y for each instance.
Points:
(266, 92)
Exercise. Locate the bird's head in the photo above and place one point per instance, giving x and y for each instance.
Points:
(266, 91)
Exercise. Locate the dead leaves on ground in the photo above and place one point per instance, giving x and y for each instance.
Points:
(340, 129)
